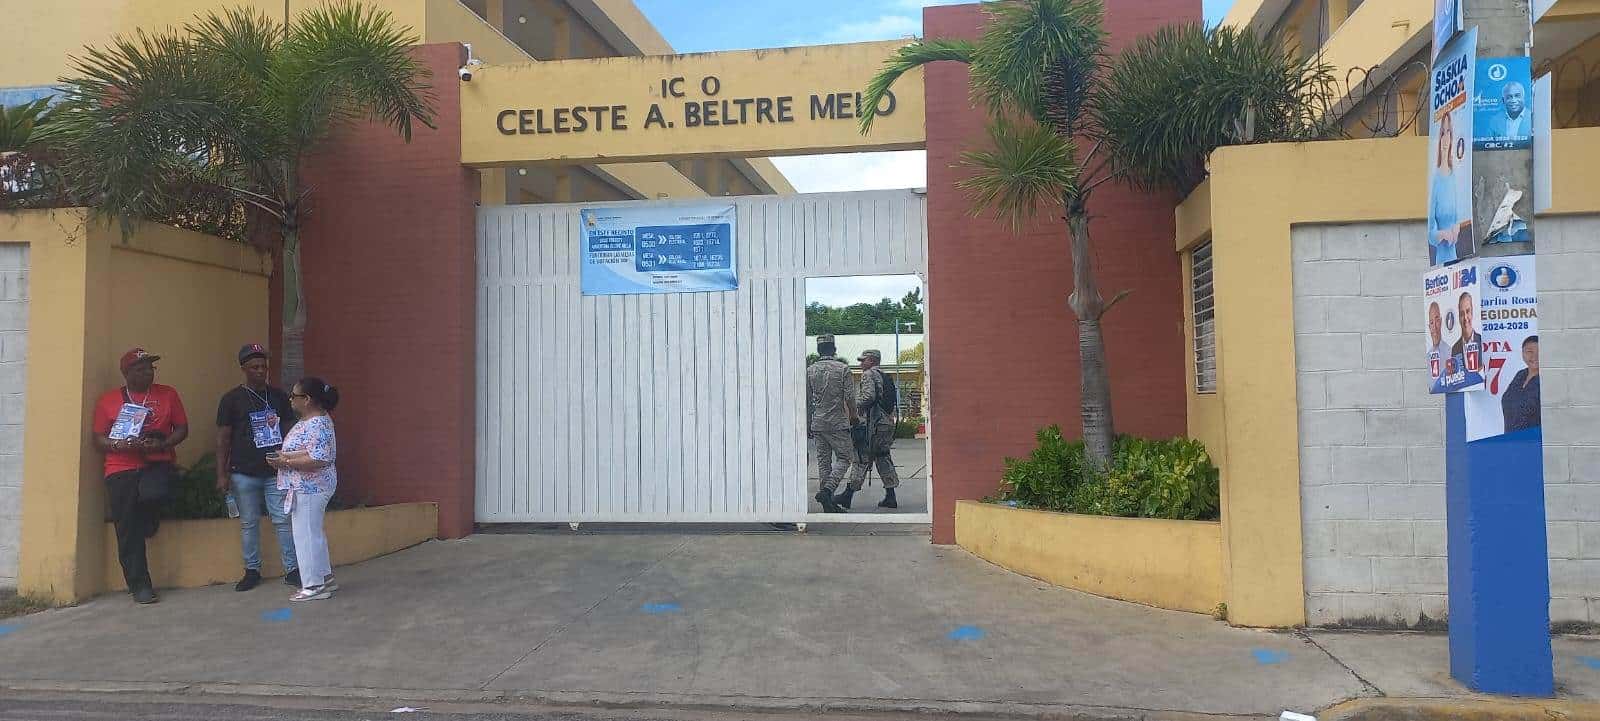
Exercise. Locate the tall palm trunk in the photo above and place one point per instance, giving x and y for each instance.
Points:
(1099, 432)
(294, 308)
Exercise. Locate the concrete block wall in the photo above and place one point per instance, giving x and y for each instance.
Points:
(1372, 437)
(13, 380)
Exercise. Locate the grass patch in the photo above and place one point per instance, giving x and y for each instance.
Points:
(13, 605)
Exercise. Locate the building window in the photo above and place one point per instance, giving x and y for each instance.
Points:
(1204, 312)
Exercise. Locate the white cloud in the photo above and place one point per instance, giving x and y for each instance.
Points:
(856, 171)
(849, 290)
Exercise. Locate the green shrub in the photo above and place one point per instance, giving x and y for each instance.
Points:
(907, 427)
(1172, 479)
(196, 495)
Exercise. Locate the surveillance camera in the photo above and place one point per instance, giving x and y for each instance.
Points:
(466, 74)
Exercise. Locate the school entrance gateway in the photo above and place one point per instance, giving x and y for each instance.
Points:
(632, 405)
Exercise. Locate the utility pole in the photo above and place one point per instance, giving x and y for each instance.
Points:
(1499, 582)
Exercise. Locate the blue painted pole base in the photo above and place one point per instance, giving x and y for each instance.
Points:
(1499, 560)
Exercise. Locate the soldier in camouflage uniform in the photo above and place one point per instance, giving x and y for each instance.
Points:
(874, 392)
(830, 413)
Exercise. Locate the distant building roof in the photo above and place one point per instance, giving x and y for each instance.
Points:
(850, 346)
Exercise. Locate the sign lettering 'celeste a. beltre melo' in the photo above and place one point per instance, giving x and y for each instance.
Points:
(691, 113)
(752, 103)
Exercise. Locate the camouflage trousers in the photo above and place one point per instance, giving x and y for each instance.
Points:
(835, 453)
(882, 441)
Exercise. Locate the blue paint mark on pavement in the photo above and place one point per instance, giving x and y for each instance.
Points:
(277, 615)
(6, 628)
(660, 607)
(1269, 657)
(1590, 661)
(966, 633)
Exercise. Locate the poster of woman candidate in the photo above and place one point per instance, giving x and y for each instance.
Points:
(1450, 232)
(1509, 401)
(1455, 340)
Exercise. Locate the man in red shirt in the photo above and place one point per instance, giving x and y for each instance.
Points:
(137, 426)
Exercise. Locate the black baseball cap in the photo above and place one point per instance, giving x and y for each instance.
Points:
(251, 350)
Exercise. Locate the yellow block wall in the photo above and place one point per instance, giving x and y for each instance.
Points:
(1166, 564)
(190, 297)
(1256, 194)
(40, 38)
(195, 553)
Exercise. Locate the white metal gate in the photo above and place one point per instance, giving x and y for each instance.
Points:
(680, 407)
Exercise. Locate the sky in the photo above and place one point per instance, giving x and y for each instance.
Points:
(710, 25)
(849, 290)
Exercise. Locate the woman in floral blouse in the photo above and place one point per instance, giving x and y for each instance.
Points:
(306, 473)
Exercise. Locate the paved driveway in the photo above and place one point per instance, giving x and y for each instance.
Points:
(754, 620)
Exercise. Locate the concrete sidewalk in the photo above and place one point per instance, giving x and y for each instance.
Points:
(761, 621)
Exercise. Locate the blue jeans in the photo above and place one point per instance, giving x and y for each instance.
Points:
(253, 493)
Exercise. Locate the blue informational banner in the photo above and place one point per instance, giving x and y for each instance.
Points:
(671, 248)
(1502, 111)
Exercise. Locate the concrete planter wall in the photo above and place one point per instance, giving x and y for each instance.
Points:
(190, 554)
(1176, 565)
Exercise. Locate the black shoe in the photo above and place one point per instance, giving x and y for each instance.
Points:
(843, 500)
(145, 595)
(252, 577)
(826, 499)
(888, 499)
(293, 579)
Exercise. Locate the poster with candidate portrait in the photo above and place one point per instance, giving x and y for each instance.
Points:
(1450, 232)
(1509, 401)
(667, 248)
(1502, 109)
(1454, 338)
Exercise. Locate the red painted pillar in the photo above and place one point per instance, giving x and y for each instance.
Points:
(390, 277)
(1003, 352)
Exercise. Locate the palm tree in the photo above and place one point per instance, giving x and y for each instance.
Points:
(232, 105)
(1148, 119)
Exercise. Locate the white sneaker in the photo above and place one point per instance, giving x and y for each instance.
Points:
(320, 593)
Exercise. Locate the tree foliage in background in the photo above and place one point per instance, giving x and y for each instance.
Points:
(1059, 128)
(866, 318)
(226, 111)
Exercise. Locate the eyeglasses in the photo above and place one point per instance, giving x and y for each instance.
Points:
(299, 395)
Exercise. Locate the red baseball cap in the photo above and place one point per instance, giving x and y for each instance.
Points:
(137, 356)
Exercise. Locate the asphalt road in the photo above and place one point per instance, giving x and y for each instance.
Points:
(80, 707)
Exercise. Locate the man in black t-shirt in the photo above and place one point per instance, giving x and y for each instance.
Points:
(252, 420)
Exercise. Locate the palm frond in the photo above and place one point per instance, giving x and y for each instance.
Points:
(346, 61)
(1028, 166)
(1183, 91)
(911, 56)
(1024, 40)
(141, 109)
(20, 124)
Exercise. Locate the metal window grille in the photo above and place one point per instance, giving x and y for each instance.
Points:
(1205, 319)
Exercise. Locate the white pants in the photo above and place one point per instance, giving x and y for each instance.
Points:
(310, 540)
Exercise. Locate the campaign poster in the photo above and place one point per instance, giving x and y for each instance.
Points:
(1455, 340)
(1446, 22)
(670, 248)
(1450, 232)
(1502, 106)
(1509, 401)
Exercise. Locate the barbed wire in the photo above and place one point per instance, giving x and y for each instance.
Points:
(1576, 87)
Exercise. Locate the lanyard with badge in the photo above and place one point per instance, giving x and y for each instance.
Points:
(130, 418)
(265, 430)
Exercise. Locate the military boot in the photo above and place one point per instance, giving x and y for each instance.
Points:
(843, 500)
(826, 499)
(888, 499)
